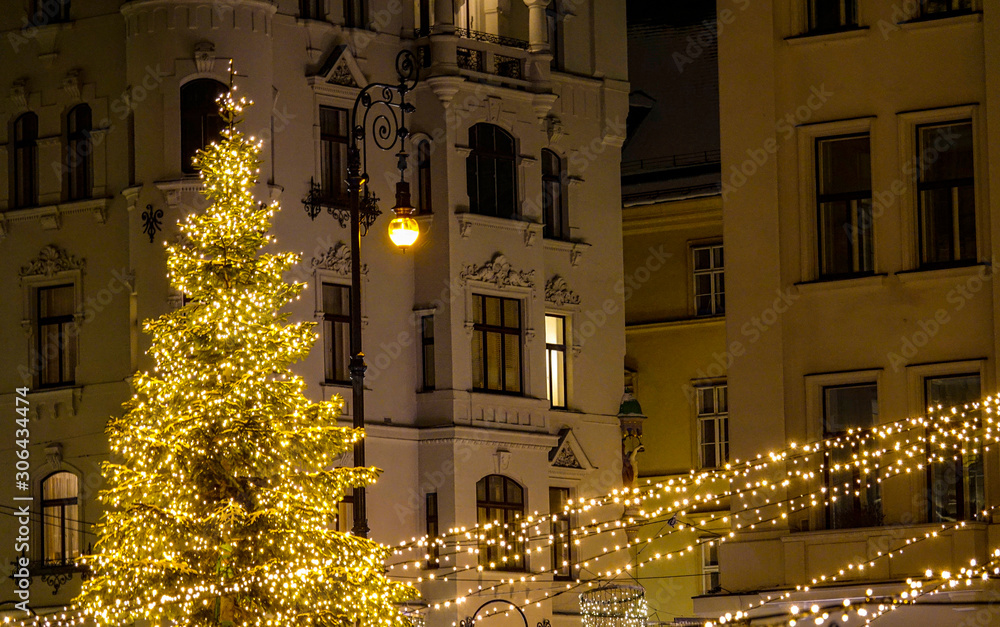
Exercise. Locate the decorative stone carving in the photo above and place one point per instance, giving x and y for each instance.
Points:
(502, 460)
(465, 229)
(493, 108)
(54, 455)
(51, 260)
(575, 255)
(19, 93)
(529, 237)
(204, 56)
(337, 259)
(558, 293)
(565, 458)
(553, 128)
(71, 84)
(341, 75)
(499, 273)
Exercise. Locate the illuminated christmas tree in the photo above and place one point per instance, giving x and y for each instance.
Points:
(223, 510)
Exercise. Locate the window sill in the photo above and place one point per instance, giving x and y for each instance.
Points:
(682, 323)
(869, 281)
(497, 392)
(51, 215)
(944, 19)
(855, 32)
(943, 274)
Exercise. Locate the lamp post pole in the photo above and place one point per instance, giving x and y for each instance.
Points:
(383, 108)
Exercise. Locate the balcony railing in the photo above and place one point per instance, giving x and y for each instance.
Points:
(500, 40)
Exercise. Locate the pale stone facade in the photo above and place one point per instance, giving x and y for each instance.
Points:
(129, 61)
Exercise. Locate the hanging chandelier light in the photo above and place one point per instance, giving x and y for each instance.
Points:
(614, 605)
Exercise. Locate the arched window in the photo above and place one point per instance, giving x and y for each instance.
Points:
(78, 151)
(553, 199)
(200, 119)
(424, 177)
(25, 176)
(491, 173)
(500, 500)
(60, 518)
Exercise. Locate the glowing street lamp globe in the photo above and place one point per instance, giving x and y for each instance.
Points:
(403, 230)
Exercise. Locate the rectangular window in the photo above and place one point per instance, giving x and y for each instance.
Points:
(562, 541)
(844, 205)
(556, 222)
(333, 138)
(555, 359)
(941, 8)
(427, 351)
(49, 12)
(424, 178)
(56, 348)
(312, 9)
(433, 551)
(354, 13)
(710, 567)
(853, 493)
(552, 19)
(709, 280)
(713, 425)
(496, 344)
(956, 487)
(424, 14)
(946, 194)
(337, 332)
(345, 514)
(832, 15)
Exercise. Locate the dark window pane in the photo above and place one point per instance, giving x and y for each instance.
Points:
(200, 119)
(845, 165)
(946, 152)
(491, 174)
(25, 179)
(78, 151)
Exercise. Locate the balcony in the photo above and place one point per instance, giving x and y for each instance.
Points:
(479, 53)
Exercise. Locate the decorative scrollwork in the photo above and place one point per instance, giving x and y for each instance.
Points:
(476, 35)
(151, 221)
(383, 108)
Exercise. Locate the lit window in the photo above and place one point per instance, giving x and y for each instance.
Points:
(490, 172)
(562, 541)
(946, 194)
(333, 137)
(25, 179)
(78, 151)
(553, 199)
(844, 205)
(853, 494)
(60, 518)
(496, 344)
(713, 425)
(832, 15)
(427, 351)
(555, 359)
(56, 348)
(500, 504)
(200, 119)
(956, 485)
(337, 332)
(424, 177)
(709, 280)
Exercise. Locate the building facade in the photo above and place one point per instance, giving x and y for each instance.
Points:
(493, 345)
(859, 217)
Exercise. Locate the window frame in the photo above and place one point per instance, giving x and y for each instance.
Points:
(37, 18)
(504, 331)
(555, 215)
(807, 134)
(341, 143)
(907, 124)
(355, 14)
(313, 10)
(712, 271)
(424, 184)
(555, 347)
(951, 12)
(79, 153)
(554, 34)
(720, 422)
(506, 506)
(24, 162)
(953, 185)
(66, 336)
(476, 154)
(709, 569)
(856, 209)
(345, 514)
(432, 529)
(65, 530)
(847, 7)
(563, 526)
(965, 510)
(829, 435)
(334, 319)
(201, 113)
(428, 384)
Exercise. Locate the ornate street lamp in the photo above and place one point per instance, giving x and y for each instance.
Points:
(382, 109)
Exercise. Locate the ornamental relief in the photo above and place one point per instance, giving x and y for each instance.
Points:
(50, 261)
(336, 259)
(499, 273)
(557, 292)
